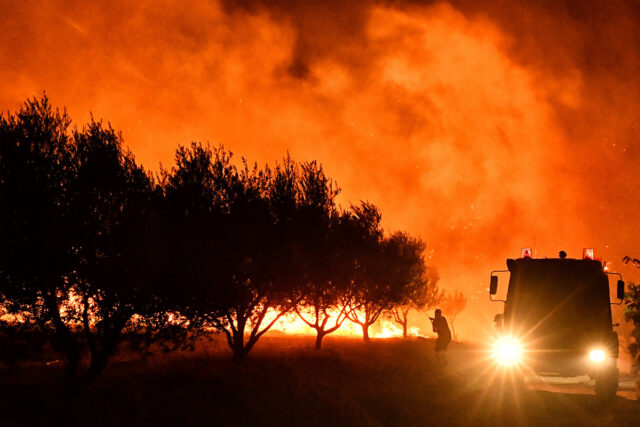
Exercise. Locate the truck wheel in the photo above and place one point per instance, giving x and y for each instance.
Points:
(607, 384)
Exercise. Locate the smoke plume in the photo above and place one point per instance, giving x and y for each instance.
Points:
(483, 127)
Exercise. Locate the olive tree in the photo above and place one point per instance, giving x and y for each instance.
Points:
(117, 241)
(229, 251)
(37, 254)
(409, 271)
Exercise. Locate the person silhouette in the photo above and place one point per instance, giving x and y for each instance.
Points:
(441, 327)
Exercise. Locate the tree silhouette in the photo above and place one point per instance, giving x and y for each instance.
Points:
(94, 251)
(452, 305)
(632, 313)
(227, 245)
(363, 233)
(385, 269)
(117, 240)
(435, 295)
(323, 295)
(36, 242)
(77, 234)
(419, 282)
(327, 288)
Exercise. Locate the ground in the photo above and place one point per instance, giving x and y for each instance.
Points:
(284, 381)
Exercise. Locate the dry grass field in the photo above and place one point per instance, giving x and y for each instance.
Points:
(284, 381)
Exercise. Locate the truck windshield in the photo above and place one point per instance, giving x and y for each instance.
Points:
(557, 301)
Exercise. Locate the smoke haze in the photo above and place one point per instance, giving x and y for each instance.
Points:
(483, 127)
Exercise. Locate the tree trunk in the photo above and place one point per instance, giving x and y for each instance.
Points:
(71, 371)
(401, 317)
(238, 346)
(365, 332)
(98, 364)
(453, 330)
(65, 343)
(239, 350)
(319, 338)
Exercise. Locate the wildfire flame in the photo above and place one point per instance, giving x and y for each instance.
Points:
(383, 328)
(289, 323)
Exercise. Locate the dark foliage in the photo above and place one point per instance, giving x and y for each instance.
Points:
(94, 251)
(227, 243)
(409, 271)
(37, 227)
(117, 242)
(375, 288)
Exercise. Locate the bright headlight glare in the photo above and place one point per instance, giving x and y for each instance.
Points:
(507, 351)
(596, 355)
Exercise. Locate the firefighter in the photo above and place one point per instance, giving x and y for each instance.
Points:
(440, 326)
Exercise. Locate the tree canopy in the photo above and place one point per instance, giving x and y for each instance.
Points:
(95, 250)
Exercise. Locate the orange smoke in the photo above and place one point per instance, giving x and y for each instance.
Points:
(482, 127)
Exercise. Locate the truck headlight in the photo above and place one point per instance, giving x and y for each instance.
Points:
(507, 351)
(597, 355)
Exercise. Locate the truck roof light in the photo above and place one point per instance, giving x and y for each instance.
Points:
(587, 253)
(526, 253)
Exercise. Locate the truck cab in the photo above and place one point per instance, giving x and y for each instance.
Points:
(557, 320)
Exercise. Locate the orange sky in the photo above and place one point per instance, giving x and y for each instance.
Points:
(483, 126)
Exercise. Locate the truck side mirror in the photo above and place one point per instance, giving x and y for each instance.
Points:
(493, 286)
(620, 290)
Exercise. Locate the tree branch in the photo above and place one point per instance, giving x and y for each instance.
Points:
(254, 338)
(311, 325)
(375, 316)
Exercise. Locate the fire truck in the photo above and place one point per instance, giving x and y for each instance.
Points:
(557, 319)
